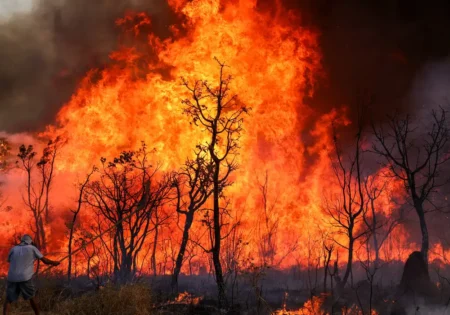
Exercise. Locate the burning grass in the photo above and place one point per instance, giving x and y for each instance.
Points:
(311, 307)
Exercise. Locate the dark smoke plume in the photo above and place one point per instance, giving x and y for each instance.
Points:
(46, 51)
(376, 46)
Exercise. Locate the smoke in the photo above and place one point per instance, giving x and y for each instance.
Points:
(377, 47)
(48, 45)
(437, 310)
(430, 89)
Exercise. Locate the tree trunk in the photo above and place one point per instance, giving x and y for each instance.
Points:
(88, 268)
(37, 236)
(184, 241)
(153, 259)
(129, 275)
(348, 271)
(424, 229)
(327, 266)
(123, 268)
(42, 232)
(217, 240)
(69, 265)
(374, 234)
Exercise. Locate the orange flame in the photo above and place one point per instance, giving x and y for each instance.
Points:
(138, 98)
(275, 65)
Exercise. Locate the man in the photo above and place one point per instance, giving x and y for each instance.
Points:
(21, 260)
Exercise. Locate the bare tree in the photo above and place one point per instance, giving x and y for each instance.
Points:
(371, 266)
(416, 158)
(37, 190)
(88, 248)
(346, 208)
(159, 219)
(327, 251)
(313, 259)
(379, 226)
(125, 196)
(71, 225)
(220, 113)
(196, 177)
(267, 225)
(234, 246)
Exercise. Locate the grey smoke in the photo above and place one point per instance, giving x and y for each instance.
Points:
(45, 51)
(431, 87)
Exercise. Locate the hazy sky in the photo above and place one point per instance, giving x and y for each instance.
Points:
(9, 7)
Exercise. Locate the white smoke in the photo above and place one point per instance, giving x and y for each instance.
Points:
(9, 8)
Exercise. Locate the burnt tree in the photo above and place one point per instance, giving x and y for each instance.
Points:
(196, 178)
(379, 225)
(267, 225)
(346, 208)
(39, 178)
(416, 157)
(125, 195)
(220, 113)
(72, 224)
(159, 219)
(327, 251)
(88, 248)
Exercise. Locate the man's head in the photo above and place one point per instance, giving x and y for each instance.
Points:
(26, 239)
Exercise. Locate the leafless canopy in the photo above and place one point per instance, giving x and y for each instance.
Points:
(126, 195)
(220, 113)
(415, 157)
(346, 208)
(40, 173)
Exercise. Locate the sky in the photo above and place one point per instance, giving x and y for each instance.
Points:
(10, 7)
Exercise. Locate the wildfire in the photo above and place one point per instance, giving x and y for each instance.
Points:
(274, 65)
(311, 307)
(187, 298)
(138, 97)
(314, 306)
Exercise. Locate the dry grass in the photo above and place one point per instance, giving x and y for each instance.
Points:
(134, 299)
(130, 299)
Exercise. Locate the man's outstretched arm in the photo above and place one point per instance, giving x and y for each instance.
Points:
(45, 260)
(49, 261)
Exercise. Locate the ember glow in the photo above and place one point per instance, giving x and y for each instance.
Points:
(138, 97)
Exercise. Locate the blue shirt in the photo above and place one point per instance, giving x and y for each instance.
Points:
(21, 260)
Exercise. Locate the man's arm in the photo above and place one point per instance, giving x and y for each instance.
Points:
(49, 261)
(45, 260)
